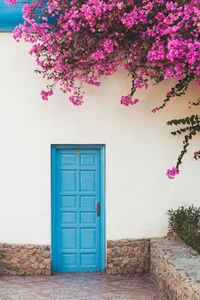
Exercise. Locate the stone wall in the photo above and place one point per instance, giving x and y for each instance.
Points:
(175, 268)
(25, 259)
(123, 257)
(128, 256)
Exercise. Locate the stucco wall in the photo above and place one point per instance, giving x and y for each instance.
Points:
(139, 149)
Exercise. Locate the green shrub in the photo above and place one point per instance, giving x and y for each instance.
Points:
(186, 223)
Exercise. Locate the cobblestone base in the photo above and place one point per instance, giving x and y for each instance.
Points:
(123, 257)
(175, 269)
(25, 259)
(128, 256)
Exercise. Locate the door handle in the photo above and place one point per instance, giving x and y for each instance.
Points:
(98, 209)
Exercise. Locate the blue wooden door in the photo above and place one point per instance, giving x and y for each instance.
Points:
(77, 209)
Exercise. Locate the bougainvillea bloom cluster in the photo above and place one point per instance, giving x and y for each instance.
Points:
(80, 41)
(77, 42)
(11, 2)
(127, 100)
(197, 155)
(171, 173)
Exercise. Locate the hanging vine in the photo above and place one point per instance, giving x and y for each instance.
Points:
(77, 42)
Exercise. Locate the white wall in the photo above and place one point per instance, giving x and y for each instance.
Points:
(139, 149)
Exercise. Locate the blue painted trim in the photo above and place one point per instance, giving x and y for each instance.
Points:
(103, 208)
(100, 147)
(53, 202)
(11, 16)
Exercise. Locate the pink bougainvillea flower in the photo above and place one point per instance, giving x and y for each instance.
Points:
(198, 83)
(196, 155)
(135, 101)
(11, 2)
(171, 173)
(120, 5)
(127, 100)
(98, 55)
(76, 100)
(45, 95)
(155, 110)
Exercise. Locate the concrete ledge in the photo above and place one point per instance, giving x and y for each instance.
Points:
(175, 269)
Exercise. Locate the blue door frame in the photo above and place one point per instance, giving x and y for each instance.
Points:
(64, 234)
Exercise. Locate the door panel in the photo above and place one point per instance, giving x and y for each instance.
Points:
(77, 240)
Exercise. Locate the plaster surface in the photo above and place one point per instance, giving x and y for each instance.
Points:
(139, 150)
